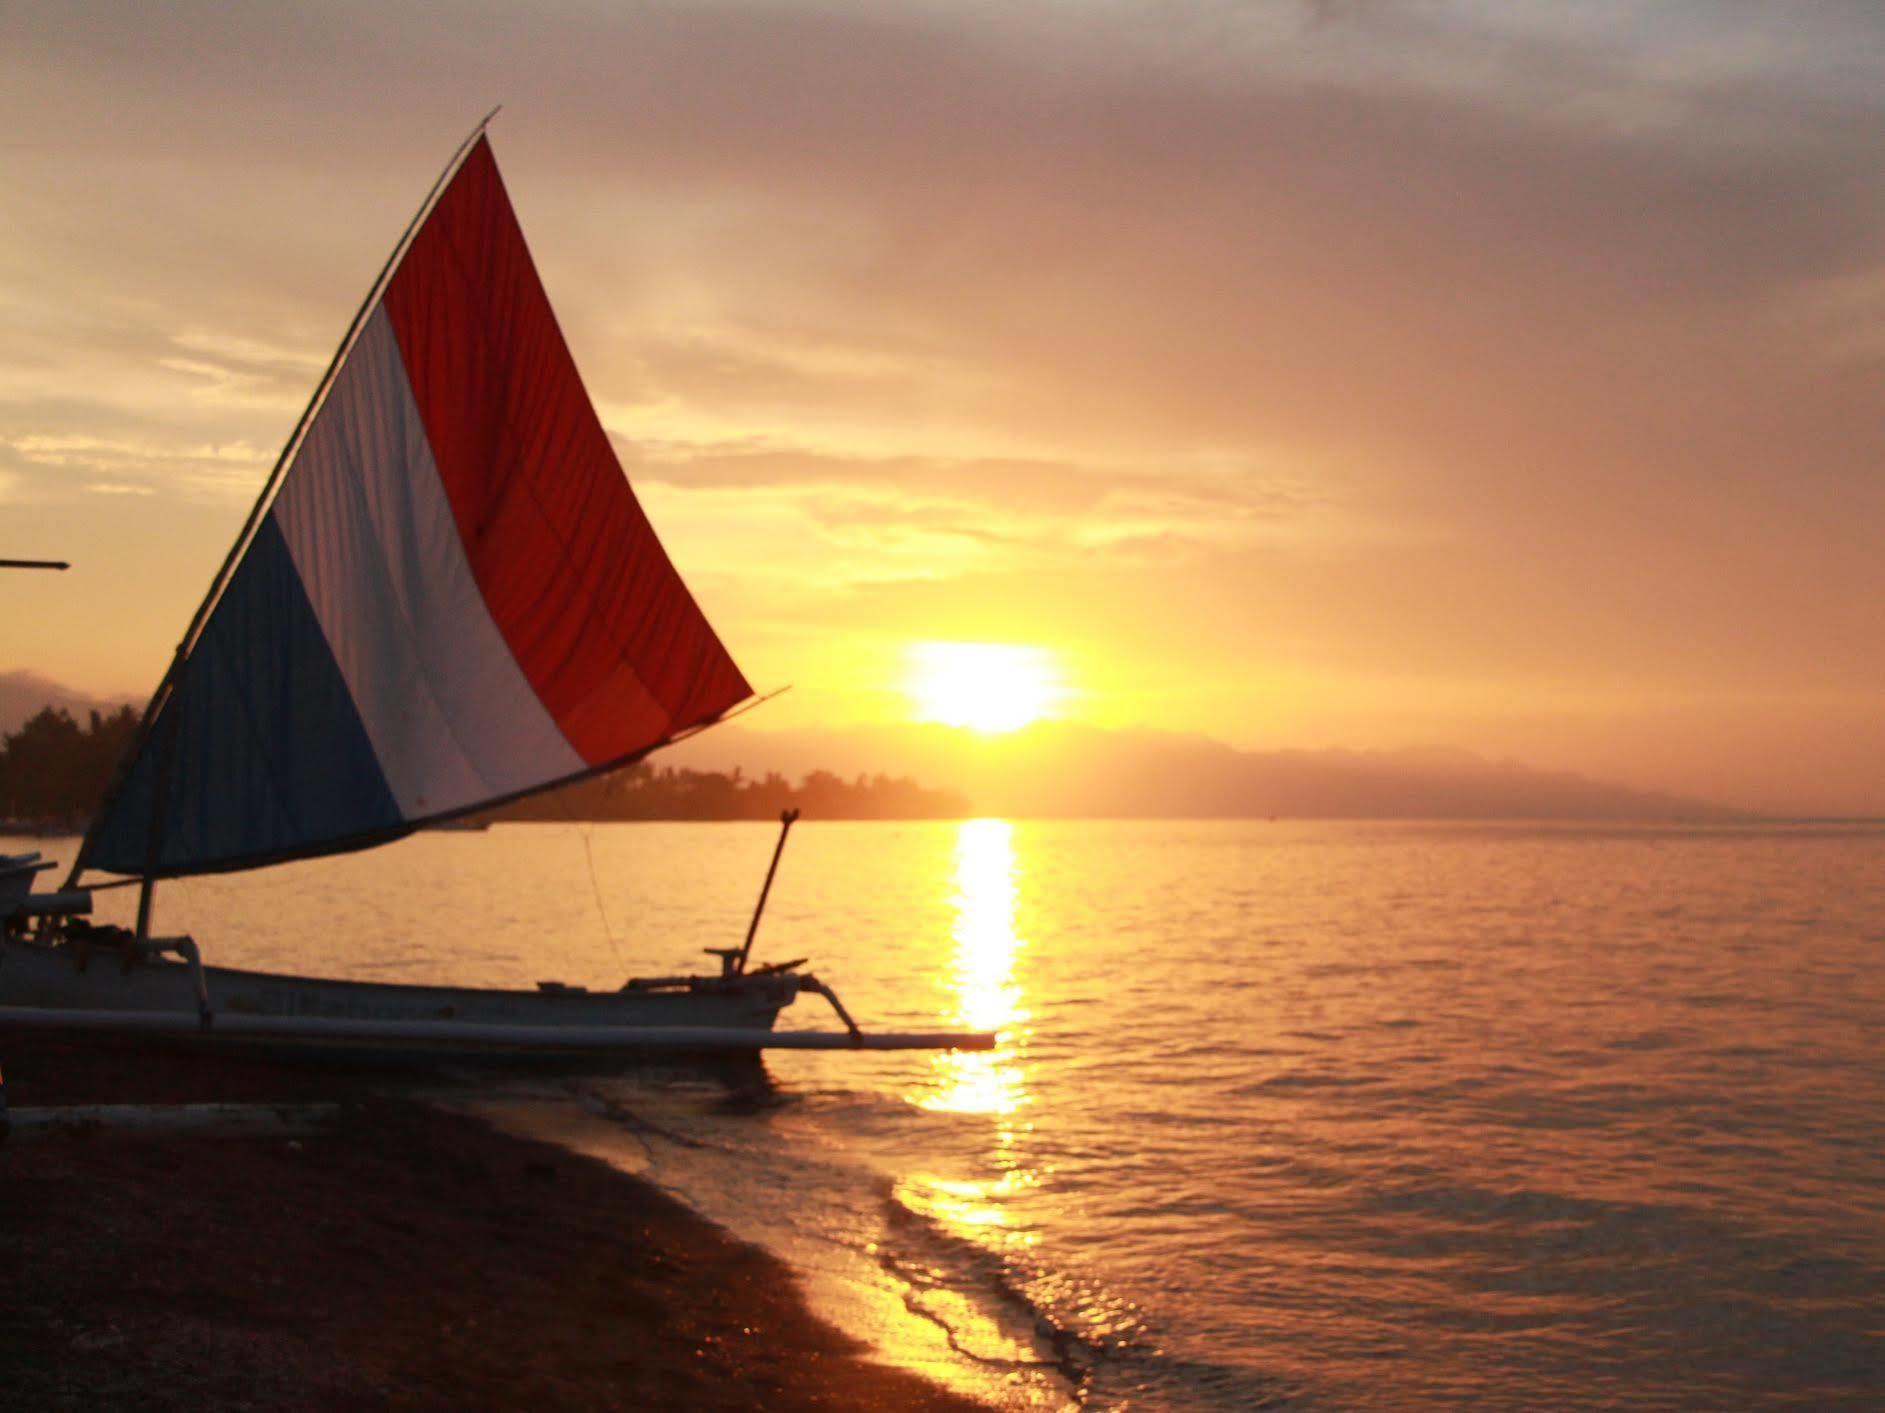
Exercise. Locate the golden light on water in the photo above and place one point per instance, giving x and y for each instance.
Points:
(990, 687)
(988, 996)
(982, 975)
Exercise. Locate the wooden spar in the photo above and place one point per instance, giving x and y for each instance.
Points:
(786, 821)
(262, 502)
(321, 389)
(142, 743)
(472, 1037)
(34, 564)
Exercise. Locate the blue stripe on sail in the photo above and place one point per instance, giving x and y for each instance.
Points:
(452, 718)
(270, 755)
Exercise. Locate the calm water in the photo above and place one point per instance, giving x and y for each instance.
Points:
(1320, 1116)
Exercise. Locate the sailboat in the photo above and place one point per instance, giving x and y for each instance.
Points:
(446, 597)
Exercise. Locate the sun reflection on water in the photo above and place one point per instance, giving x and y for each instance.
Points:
(982, 976)
(987, 996)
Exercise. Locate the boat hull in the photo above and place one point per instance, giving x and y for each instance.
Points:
(155, 1000)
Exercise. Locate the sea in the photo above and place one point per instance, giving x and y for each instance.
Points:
(1284, 1115)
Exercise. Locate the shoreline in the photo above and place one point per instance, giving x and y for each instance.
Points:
(412, 1257)
(858, 1269)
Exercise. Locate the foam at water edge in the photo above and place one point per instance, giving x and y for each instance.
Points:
(916, 1297)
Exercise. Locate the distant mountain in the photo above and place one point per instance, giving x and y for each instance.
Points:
(25, 694)
(1062, 770)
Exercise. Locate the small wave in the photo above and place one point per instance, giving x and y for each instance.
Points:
(798, 1178)
(1072, 1323)
(1301, 1079)
(1532, 1205)
(1648, 1040)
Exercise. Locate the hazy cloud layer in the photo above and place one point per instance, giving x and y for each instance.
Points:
(1403, 371)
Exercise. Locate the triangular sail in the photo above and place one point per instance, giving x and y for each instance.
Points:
(453, 598)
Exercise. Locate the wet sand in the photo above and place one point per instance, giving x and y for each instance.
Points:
(408, 1258)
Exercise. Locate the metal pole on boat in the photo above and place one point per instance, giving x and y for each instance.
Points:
(160, 807)
(786, 821)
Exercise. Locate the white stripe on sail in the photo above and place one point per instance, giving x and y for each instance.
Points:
(450, 714)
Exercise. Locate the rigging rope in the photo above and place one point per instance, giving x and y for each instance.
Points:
(595, 887)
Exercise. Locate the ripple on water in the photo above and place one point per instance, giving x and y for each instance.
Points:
(1632, 1162)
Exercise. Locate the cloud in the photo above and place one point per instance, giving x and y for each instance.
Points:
(859, 522)
(234, 371)
(1531, 347)
(924, 218)
(62, 461)
(1023, 484)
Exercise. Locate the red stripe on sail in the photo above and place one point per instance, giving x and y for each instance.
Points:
(582, 591)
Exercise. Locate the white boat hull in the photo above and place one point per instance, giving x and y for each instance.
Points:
(64, 988)
(72, 989)
(447, 1040)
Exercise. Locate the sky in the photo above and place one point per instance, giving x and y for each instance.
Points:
(1342, 374)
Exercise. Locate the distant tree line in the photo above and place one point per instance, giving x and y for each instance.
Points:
(643, 791)
(53, 771)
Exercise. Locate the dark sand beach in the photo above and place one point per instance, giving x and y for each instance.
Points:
(410, 1257)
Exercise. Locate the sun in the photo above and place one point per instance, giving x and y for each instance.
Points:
(984, 686)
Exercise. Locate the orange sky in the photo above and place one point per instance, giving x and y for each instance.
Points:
(1361, 374)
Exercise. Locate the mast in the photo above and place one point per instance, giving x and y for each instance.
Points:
(246, 535)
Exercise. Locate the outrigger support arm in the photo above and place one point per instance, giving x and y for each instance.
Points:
(818, 988)
(184, 947)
